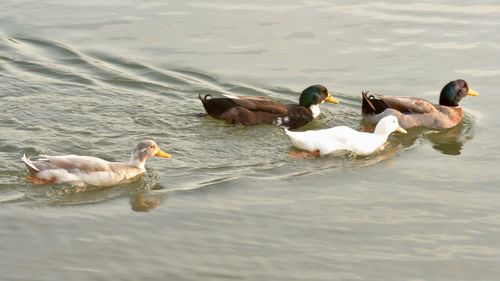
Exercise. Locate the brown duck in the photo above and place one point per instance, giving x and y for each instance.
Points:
(414, 112)
(243, 110)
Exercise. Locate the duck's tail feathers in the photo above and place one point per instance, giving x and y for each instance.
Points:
(31, 167)
(204, 98)
(372, 105)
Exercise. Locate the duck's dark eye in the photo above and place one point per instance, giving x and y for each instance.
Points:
(151, 146)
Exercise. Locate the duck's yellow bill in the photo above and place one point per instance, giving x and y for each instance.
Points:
(472, 93)
(163, 154)
(331, 99)
(401, 130)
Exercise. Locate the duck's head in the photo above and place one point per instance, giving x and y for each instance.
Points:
(314, 95)
(387, 125)
(455, 91)
(144, 150)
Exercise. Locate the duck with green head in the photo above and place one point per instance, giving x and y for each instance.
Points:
(244, 110)
(415, 112)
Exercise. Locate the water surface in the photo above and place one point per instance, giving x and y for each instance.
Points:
(96, 77)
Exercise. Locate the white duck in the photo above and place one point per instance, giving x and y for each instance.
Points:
(344, 138)
(91, 170)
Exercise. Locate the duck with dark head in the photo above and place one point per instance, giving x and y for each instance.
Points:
(241, 110)
(415, 112)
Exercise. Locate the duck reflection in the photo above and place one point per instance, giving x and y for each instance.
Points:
(144, 201)
(452, 140)
(144, 193)
(148, 194)
(448, 141)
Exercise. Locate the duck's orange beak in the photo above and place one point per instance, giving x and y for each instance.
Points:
(401, 130)
(331, 99)
(162, 154)
(472, 93)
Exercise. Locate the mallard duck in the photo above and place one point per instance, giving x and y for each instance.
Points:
(259, 110)
(91, 170)
(414, 112)
(322, 142)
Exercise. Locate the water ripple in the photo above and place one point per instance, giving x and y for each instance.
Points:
(421, 12)
(124, 101)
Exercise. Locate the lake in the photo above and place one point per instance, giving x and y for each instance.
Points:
(95, 77)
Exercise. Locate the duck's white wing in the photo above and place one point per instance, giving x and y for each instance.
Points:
(326, 141)
(336, 138)
(363, 143)
(118, 172)
(71, 162)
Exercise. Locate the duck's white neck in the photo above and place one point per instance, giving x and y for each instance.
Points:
(315, 110)
(137, 162)
(382, 131)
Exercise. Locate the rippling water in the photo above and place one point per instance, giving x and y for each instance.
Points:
(96, 77)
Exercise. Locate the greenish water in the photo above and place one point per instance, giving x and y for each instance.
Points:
(96, 77)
